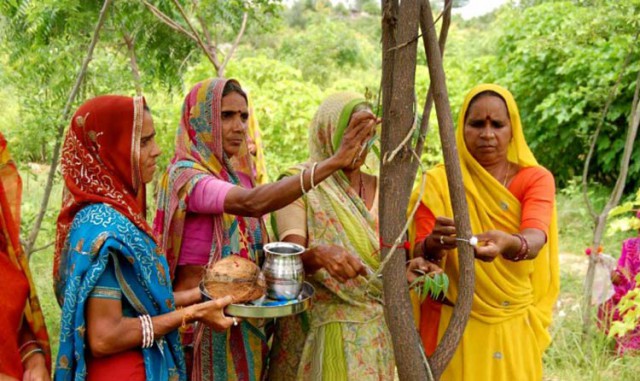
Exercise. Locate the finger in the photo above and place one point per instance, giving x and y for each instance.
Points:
(357, 265)
(445, 230)
(360, 116)
(364, 131)
(338, 276)
(349, 271)
(223, 302)
(445, 221)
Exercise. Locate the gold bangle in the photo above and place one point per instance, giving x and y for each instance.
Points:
(30, 353)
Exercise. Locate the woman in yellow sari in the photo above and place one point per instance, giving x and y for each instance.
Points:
(512, 210)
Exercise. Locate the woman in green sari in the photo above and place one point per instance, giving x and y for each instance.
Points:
(343, 336)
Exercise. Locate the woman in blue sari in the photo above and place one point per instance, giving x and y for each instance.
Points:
(119, 317)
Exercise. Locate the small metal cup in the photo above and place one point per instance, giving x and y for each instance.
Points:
(283, 270)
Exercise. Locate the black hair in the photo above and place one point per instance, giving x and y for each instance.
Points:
(233, 86)
(146, 107)
(486, 93)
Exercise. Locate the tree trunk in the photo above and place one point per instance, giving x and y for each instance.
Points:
(453, 333)
(33, 234)
(396, 179)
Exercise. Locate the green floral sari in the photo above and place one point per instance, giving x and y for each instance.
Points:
(344, 335)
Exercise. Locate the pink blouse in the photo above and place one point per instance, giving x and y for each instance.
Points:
(206, 198)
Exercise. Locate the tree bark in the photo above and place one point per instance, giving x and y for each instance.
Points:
(453, 333)
(33, 234)
(396, 179)
(428, 105)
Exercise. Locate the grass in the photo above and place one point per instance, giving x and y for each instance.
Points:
(568, 358)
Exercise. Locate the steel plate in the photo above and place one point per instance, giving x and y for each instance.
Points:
(269, 308)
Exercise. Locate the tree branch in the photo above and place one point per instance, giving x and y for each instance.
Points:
(596, 133)
(206, 50)
(168, 21)
(449, 342)
(33, 234)
(616, 193)
(446, 10)
(236, 42)
(129, 41)
(207, 35)
(426, 112)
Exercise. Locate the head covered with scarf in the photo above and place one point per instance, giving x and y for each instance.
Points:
(531, 286)
(100, 163)
(336, 215)
(199, 153)
(10, 199)
(103, 217)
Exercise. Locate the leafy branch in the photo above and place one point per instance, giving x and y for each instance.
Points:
(33, 235)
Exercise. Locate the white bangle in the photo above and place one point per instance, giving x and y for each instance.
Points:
(147, 331)
(143, 326)
(313, 174)
(302, 182)
(151, 331)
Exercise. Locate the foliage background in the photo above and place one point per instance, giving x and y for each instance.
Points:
(559, 58)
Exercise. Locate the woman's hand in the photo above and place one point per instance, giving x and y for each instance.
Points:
(4, 377)
(35, 369)
(442, 237)
(419, 265)
(336, 260)
(360, 129)
(496, 242)
(212, 314)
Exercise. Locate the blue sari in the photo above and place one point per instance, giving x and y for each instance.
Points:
(99, 232)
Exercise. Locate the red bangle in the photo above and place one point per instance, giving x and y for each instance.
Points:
(523, 253)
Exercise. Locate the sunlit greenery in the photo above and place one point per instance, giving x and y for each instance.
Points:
(560, 59)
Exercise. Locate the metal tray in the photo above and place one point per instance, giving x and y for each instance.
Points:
(269, 308)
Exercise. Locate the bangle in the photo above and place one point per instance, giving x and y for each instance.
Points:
(147, 331)
(523, 253)
(143, 325)
(304, 192)
(26, 344)
(313, 174)
(150, 328)
(30, 353)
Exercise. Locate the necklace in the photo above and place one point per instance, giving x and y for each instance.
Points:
(506, 174)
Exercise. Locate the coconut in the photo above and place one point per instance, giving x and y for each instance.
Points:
(235, 276)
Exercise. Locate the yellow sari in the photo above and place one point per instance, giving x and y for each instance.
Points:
(513, 301)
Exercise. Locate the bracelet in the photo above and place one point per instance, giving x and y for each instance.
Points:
(143, 325)
(26, 344)
(147, 331)
(151, 331)
(523, 253)
(313, 174)
(304, 192)
(30, 353)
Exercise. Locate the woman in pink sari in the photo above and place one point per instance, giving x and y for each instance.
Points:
(624, 280)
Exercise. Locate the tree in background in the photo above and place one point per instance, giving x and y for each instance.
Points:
(560, 59)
